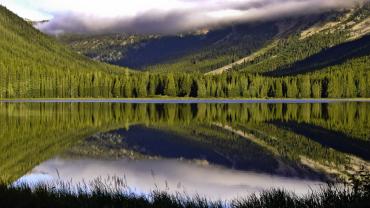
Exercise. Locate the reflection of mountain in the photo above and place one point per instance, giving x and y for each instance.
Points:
(305, 149)
(34, 132)
(328, 138)
(203, 144)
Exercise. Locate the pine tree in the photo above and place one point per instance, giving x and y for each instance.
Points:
(292, 88)
(152, 85)
(316, 89)
(116, 92)
(143, 85)
(350, 85)
(305, 87)
(128, 87)
(278, 89)
(201, 88)
(170, 86)
(185, 85)
(362, 86)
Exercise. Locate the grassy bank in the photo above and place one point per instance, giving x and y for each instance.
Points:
(357, 195)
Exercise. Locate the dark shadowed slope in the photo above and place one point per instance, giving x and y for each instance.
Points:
(327, 57)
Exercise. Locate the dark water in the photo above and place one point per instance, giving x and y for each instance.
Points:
(218, 150)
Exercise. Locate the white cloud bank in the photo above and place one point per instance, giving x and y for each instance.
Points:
(167, 16)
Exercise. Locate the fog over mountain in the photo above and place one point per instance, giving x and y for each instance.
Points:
(184, 15)
(167, 16)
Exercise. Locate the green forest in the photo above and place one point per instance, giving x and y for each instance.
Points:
(349, 80)
(33, 65)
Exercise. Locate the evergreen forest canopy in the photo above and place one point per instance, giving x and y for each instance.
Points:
(33, 65)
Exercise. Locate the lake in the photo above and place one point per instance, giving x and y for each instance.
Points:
(217, 150)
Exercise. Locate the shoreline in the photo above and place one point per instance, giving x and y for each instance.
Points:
(182, 100)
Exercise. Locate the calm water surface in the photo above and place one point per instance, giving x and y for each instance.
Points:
(217, 150)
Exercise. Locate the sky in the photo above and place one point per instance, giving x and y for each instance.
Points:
(159, 16)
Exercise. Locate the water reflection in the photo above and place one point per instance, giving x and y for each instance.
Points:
(288, 145)
(174, 176)
(215, 146)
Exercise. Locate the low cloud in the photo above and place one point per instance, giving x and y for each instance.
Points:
(183, 15)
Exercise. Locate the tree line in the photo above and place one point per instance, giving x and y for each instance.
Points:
(349, 80)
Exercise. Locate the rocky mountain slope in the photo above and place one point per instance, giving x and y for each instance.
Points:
(257, 47)
(202, 50)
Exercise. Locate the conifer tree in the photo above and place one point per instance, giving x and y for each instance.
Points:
(170, 86)
(305, 87)
(201, 88)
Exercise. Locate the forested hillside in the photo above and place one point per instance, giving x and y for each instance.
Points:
(324, 44)
(33, 64)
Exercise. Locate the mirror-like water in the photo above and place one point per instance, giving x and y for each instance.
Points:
(220, 151)
(174, 176)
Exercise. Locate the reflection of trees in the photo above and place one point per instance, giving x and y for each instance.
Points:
(33, 132)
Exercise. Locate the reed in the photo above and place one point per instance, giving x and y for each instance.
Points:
(101, 193)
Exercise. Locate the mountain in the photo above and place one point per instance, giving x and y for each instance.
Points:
(201, 51)
(33, 65)
(27, 56)
(324, 44)
(136, 51)
(258, 47)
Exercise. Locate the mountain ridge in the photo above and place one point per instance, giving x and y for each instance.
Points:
(36, 66)
(248, 47)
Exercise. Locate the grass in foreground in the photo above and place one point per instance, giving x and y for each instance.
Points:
(100, 195)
